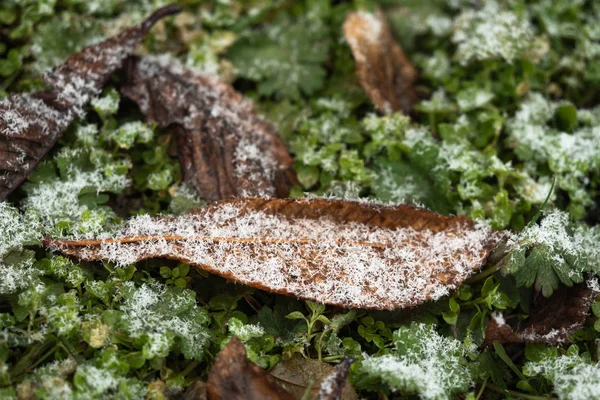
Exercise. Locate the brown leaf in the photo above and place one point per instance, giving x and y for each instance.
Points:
(335, 386)
(383, 69)
(224, 149)
(234, 377)
(552, 320)
(31, 123)
(297, 374)
(351, 254)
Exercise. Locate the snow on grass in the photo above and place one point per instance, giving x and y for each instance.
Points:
(491, 33)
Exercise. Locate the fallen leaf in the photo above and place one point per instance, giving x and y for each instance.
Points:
(350, 254)
(31, 123)
(298, 375)
(335, 386)
(233, 377)
(552, 320)
(384, 71)
(225, 150)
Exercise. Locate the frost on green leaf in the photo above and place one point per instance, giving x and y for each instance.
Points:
(574, 377)
(17, 229)
(164, 318)
(423, 362)
(548, 253)
(491, 33)
(106, 105)
(574, 157)
(129, 133)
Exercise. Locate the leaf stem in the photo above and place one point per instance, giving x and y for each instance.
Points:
(482, 274)
(521, 395)
(539, 211)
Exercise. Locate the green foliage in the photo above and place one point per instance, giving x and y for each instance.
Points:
(509, 104)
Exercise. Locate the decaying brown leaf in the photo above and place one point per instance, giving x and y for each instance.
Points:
(31, 123)
(234, 377)
(552, 320)
(224, 149)
(351, 254)
(383, 69)
(334, 387)
(296, 375)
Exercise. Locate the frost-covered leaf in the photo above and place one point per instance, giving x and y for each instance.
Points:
(225, 150)
(385, 72)
(31, 123)
(574, 376)
(234, 377)
(551, 320)
(423, 362)
(352, 254)
(547, 254)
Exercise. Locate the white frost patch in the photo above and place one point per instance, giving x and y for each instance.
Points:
(491, 33)
(432, 366)
(573, 379)
(351, 263)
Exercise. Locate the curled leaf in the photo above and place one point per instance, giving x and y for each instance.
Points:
(233, 377)
(31, 123)
(552, 320)
(383, 69)
(351, 254)
(224, 149)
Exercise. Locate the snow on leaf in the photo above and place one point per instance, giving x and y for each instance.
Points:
(423, 362)
(383, 69)
(547, 254)
(225, 150)
(233, 376)
(551, 320)
(31, 123)
(351, 254)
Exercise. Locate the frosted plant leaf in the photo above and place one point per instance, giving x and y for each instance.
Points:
(352, 254)
(424, 362)
(17, 229)
(57, 200)
(159, 314)
(383, 69)
(573, 377)
(491, 33)
(31, 123)
(225, 150)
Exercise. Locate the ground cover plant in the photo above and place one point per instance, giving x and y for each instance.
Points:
(299, 199)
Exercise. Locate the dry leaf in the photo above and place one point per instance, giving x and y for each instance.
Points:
(351, 254)
(383, 69)
(31, 123)
(224, 149)
(234, 377)
(335, 386)
(297, 374)
(552, 320)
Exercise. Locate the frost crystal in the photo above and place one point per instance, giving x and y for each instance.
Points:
(491, 33)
